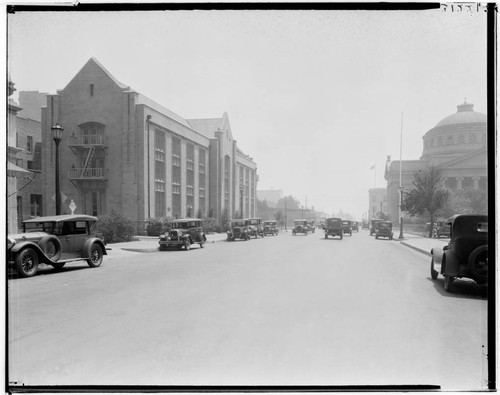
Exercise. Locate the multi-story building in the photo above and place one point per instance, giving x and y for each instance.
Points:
(456, 146)
(122, 151)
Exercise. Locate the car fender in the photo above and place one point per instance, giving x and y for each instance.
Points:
(450, 264)
(473, 255)
(18, 247)
(437, 255)
(88, 244)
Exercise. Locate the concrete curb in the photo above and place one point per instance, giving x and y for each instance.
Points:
(416, 248)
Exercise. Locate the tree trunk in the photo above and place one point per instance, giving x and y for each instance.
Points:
(431, 226)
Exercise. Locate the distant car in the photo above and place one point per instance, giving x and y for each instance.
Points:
(183, 233)
(270, 227)
(333, 228)
(441, 228)
(373, 225)
(365, 225)
(256, 228)
(346, 227)
(384, 229)
(55, 240)
(355, 226)
(300, 226)
(466, 254)
(240, 229)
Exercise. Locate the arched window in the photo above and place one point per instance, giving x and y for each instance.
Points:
(449, 140)
(91, 133)
(461, 139)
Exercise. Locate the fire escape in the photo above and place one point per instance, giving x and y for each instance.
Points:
(85, 147)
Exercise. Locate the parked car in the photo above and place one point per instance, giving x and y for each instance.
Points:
(55, 240)
(365, 225)
(256, 228)
(333, 228)
(373, 225)
(183, 233)
(240, 229)
(441, 228)
(466, 254)
(300, 226)
(384, 229)
(270, 227)
(355, 226)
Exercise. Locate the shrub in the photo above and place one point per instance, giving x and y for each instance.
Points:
(157, 226)
(209, 225)
(114, 228)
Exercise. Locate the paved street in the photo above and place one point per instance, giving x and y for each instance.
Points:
(284, 310)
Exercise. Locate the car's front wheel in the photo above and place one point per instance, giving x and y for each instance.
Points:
(96, 255)
(434, 272)
(27, 262)
(187, 245)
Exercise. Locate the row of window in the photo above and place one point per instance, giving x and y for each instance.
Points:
(473, 138)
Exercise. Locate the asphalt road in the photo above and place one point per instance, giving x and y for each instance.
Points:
(283, 310)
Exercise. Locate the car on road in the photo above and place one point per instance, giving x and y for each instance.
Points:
(346, 227)
(365, 225)
(466, 254)
(312, 227)
(270, 227)
(441, 228)
(300, 226)
(355, 226)
(55, 241)
(182, 234)
(239, 229)
(333, 227)
(384, 229)
(373, 225)
(256, 228)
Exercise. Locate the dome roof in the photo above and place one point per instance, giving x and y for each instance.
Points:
(464, 114)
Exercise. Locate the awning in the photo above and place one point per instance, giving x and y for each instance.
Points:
(16, 171)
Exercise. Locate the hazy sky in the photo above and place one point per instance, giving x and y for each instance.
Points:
(315, 97)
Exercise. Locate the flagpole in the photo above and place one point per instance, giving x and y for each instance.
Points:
(400, 181)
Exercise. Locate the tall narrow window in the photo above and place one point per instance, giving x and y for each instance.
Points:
(160, 173)
(176, 177)
(201, 180)
(190, 179)
(29, 145)
(91, 89)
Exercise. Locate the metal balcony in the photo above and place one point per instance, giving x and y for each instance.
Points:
(87, 141)
(76, 174)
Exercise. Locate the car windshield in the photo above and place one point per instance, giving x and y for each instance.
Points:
(239, 223)
(269, 223)
(180, 225)
(332, 221)
(300, 223)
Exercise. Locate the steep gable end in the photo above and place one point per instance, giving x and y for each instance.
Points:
(94, 71)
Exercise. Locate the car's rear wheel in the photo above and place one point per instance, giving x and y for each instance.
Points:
(96, 255)
(163, 247)
(434, 273)
(27, 262)
(448, 282)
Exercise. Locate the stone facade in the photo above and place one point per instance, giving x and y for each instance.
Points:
(456, 146)
(122, 151)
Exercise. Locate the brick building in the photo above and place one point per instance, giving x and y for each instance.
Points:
(122, 151)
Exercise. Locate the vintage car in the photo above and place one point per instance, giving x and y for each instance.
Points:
(441, 228)
(256, 228)
(355, 226)
(346, 227)
(384, 229)
(55, 241)
(240, 229)
(300, 226)
(373, 225)
(466, 254)
(333, 227)
(182, 234)
(365, 225)
(312, 227)
(270, 227)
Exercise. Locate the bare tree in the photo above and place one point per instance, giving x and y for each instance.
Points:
(427, 195)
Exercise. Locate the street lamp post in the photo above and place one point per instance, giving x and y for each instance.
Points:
(241, 201)
(57, 131)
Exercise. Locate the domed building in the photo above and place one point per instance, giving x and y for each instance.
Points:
(456, 145)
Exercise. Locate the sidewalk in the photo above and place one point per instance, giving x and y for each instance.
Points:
(142, 244)
(420, 243)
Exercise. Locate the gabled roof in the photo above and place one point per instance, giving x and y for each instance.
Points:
(94, 61)
(141, 99)
(207, 126)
